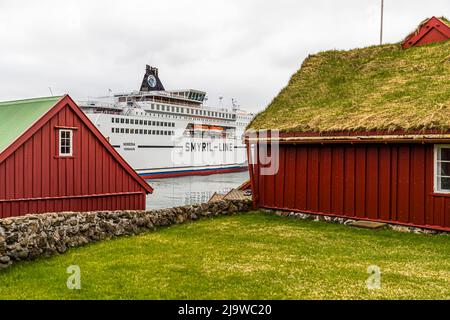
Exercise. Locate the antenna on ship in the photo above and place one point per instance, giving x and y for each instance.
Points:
(234, 104)
(220, 101)
(51, 92)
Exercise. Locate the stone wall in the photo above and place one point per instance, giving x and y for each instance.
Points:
(32, 236)
(348, 221)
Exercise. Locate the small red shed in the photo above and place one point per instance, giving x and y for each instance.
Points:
(432, 30)
(361, 134)
(52, 159)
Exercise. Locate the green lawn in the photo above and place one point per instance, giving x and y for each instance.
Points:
(248, 256)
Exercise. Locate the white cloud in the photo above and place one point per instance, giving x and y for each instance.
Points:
(246, 49)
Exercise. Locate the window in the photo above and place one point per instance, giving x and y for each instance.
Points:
(442, 168)
(65, 143)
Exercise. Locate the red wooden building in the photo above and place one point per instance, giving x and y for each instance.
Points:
(52, 158)
(432, 30)
(361, 134)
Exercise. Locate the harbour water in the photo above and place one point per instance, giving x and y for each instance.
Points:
(172, 192)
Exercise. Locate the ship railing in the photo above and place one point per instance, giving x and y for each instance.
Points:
(96, 104)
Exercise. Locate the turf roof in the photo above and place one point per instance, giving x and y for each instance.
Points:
(17, 116)
(381, 88)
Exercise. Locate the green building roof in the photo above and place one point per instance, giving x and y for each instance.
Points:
(381, 88)
(17, 116)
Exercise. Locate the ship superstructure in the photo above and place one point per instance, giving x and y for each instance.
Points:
(167, 133)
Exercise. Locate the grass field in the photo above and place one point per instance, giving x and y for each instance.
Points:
(249, 256)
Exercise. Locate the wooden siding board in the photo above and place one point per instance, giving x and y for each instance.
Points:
(384, 186)
(313, 179)
(301, 178)
(325, 180)
(337, 183)
(349, 180)
(360, 182)
(371, 204)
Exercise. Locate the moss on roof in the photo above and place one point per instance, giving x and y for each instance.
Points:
(375, 88)
(17, 116)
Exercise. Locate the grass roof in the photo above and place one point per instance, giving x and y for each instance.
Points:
(381, 88)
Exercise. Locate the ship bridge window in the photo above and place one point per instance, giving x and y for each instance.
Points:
(152, 106)
(157, 107)
(178, 109)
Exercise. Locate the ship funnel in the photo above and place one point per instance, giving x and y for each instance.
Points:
(151, 81)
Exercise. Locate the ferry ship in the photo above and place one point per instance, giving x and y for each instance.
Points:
(171, 133)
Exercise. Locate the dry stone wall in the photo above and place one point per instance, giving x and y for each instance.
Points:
(32, 236)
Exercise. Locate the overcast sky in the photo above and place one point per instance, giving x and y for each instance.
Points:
(246, 49)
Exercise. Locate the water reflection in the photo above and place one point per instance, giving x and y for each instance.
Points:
(180, 191)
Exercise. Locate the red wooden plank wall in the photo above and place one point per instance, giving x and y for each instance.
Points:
(384, 182)
(41, 182)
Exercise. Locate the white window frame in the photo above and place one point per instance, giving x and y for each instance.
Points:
(61, 154)
(437, 176)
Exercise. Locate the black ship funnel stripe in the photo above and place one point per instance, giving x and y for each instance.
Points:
(151, 81)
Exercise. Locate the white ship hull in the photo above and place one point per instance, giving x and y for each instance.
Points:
(166, 155)
(171, 133)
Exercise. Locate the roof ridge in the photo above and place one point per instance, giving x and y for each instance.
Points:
(30, 100)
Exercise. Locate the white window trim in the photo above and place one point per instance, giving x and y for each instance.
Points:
(70, 141)
(437, 147)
